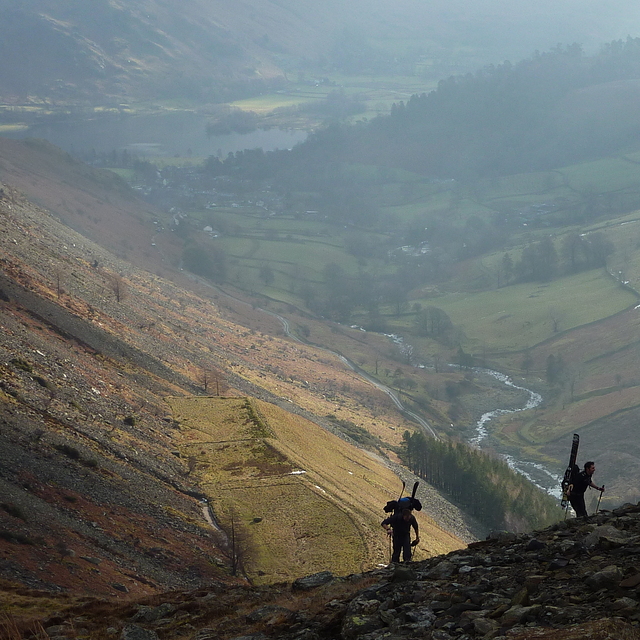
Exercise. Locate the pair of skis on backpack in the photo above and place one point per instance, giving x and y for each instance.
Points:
(406, 502)
(571, 474)
(571, 471)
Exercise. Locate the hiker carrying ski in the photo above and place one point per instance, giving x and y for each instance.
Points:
(579, 485)
(399, 527)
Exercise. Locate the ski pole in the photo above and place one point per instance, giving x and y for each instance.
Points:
(600, 498)
(566, 507)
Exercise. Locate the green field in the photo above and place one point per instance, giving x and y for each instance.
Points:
(519, 316)
(603, 176)
(301, 500)
(298, 248)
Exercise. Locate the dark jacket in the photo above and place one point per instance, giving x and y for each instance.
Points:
(581, 483)
(400, 526)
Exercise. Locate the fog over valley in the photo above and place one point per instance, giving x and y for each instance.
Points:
(268, 266)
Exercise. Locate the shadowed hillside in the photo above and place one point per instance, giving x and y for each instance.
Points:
(570, 582)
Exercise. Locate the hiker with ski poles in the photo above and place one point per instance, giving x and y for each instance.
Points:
(398, 526)
(575, 482)
(578, 487)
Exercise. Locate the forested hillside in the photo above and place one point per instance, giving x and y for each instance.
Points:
(552, 109)
(484, 486)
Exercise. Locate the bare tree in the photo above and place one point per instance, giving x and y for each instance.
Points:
(211, 377)
(556, 318)
(205, 378)
(58, 275)
(527, 362)
(118, 286)
(236, 546)
(573, 374)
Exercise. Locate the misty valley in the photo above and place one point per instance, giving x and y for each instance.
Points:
(268, 268)
(471, 271)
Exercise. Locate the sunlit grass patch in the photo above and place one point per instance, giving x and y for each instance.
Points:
(12, 128)
(270, 102)
(295, 529)
(305, 499)
(299, 524)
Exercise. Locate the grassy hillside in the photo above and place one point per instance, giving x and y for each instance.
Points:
(300, 498)
(517, 317)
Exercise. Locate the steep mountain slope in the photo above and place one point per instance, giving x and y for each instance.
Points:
(96, 495)
(113, 51)
(96, 204)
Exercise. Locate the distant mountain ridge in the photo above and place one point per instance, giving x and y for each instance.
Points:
(110, 50)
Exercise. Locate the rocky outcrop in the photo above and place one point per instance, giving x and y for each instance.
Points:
(573, 581)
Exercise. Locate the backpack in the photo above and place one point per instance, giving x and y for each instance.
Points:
(570, 478)
(398, 506)
(575, 474)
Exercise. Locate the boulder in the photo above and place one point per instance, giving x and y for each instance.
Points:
(607, 629)
(608, 534)
(313, 581)
(609, 577)
(134, 632)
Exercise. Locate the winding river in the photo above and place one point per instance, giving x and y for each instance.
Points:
(534, 400)
(535, 472)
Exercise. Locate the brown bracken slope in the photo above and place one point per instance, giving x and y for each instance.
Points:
(95, 496)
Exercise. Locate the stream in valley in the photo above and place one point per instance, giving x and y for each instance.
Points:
(535, 472)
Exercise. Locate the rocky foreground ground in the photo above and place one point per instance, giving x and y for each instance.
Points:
(572, 581)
